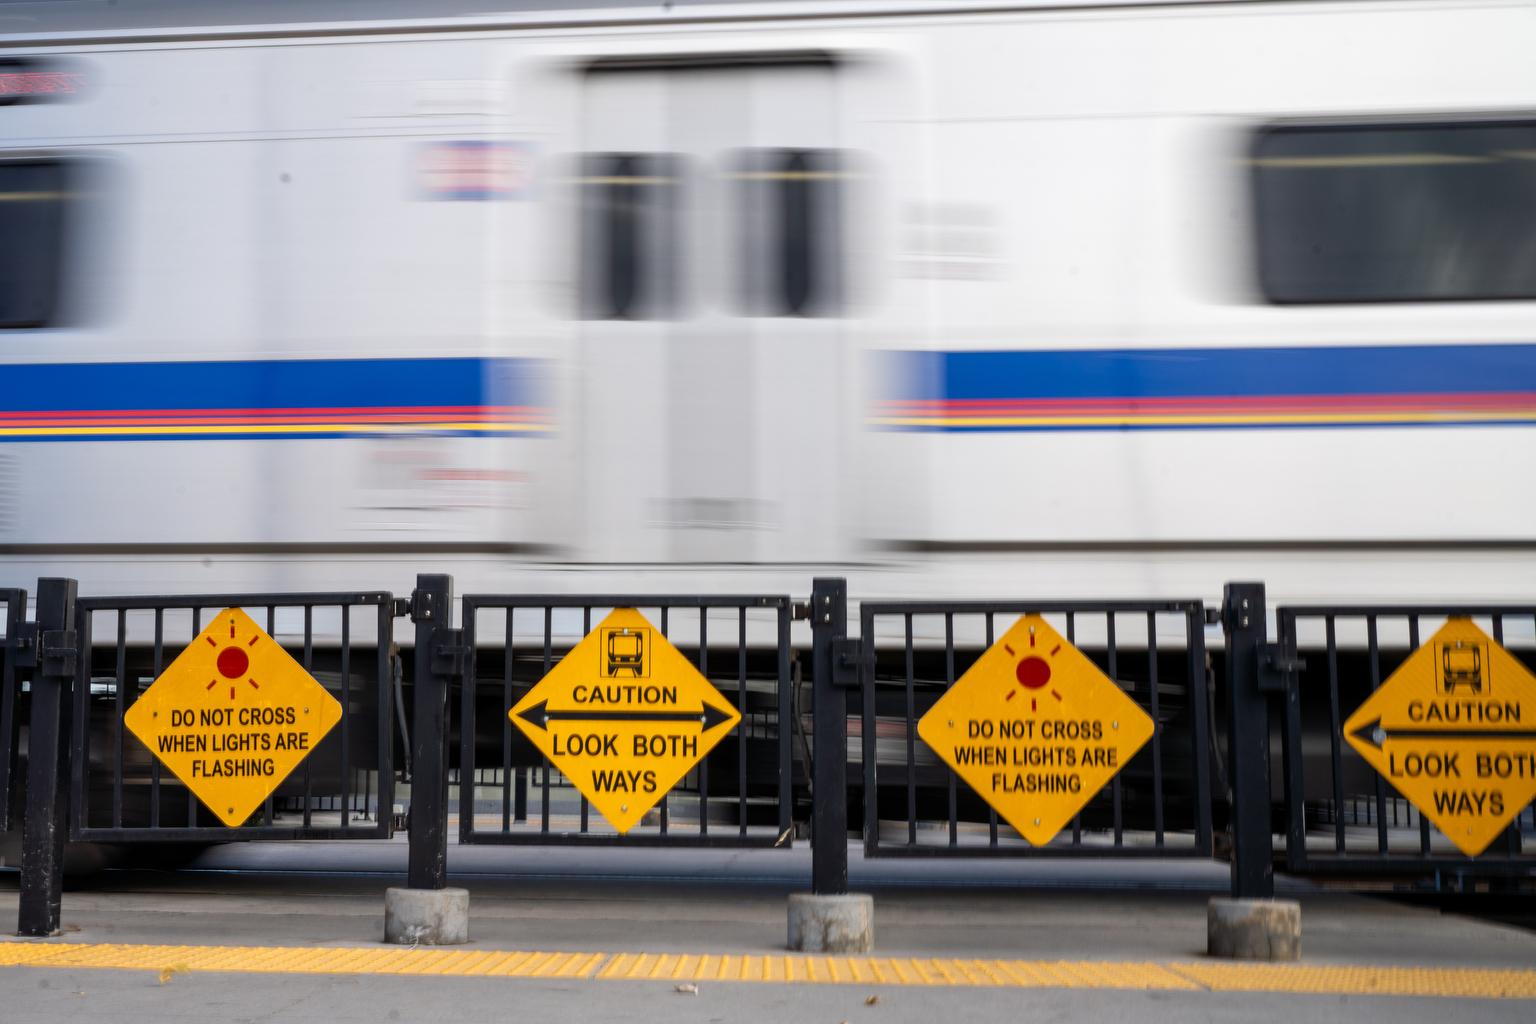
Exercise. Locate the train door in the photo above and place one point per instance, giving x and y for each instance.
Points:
(711, 295)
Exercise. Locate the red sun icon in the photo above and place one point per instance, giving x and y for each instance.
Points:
(232, 662)
(1033, 672)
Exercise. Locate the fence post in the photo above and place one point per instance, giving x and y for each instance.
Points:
(829, 919)
(1252, 924)
(829, 704)
(431, 611)
(427, 912)
(1243, 618)
(45, 823)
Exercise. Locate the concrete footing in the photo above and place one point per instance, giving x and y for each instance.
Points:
(831, 924)
(426, 917)
(1253, 929)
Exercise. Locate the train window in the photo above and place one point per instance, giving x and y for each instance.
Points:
(33, 196)
(630, 210)
(1396, 212)
(790, 209)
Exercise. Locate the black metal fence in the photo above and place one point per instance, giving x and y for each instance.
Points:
(86, 661)
(344, 788)
(740, 794)
(1158, 805)
(1341, 816)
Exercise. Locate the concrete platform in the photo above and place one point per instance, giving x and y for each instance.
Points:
(698, 936)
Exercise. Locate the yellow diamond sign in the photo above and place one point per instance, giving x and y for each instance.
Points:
(1035, 728)
(232, 716)
(1454, 731)
(624, 716)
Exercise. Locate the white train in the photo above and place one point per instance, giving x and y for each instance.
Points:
(965, 298)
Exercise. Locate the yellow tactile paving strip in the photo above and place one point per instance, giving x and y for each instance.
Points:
(817, 970)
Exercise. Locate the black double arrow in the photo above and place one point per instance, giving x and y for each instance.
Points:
(539, 716)
(1375, 734)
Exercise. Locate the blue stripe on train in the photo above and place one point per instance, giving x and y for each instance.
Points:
(268, 384)
(1214, 372)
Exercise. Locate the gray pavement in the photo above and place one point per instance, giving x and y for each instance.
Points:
(39, 996)
(616, 900)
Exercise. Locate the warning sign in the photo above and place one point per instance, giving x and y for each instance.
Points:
(1454, 731)
(624, 716)
(232, 716)
(1035, 728)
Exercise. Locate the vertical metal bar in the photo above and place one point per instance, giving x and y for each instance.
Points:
(506, 722)
(1243, 613)
(549, 663)
(432, 611)
(586, 627)
(991, 811)
(1381, 789)
(666, 817)
(1157, 731)
(911, 737)
(1512, 833)
(346, 713)
(469, 772)
(46, 820)
(1413, 645)
(868, 734)
(1335, 730)
(384, 645)
(192, 805)
(10, 727)
(266, 805)
(741, 736)
(786, 792)
(704, 761)
(829, 708)
(949, 682)
(1077, 819)
(309, 666)
(120, 702)
(1116, 800)
(1200, 726)
(1291, 750)
(79, 734)
(154, 762)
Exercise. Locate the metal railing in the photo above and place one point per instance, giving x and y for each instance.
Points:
(1341, 815)
(1158, 805)
(740, 794)
(13, 612)
(344, 788)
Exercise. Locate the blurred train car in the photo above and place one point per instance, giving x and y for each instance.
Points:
(965, 298)
(955, 299)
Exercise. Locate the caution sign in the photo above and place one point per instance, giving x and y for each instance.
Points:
(1454, 731)
(624, 716)
(1035, 728)
(233, 716)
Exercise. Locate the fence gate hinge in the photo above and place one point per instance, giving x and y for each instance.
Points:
(847, 655)
(23, 645)
(52, 651)
(421, 606)
(448, 652)
(1277, 669)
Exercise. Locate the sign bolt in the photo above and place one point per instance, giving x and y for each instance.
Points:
(624, 807)
(951, 723)
(1037, 821)
(1114, 725)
